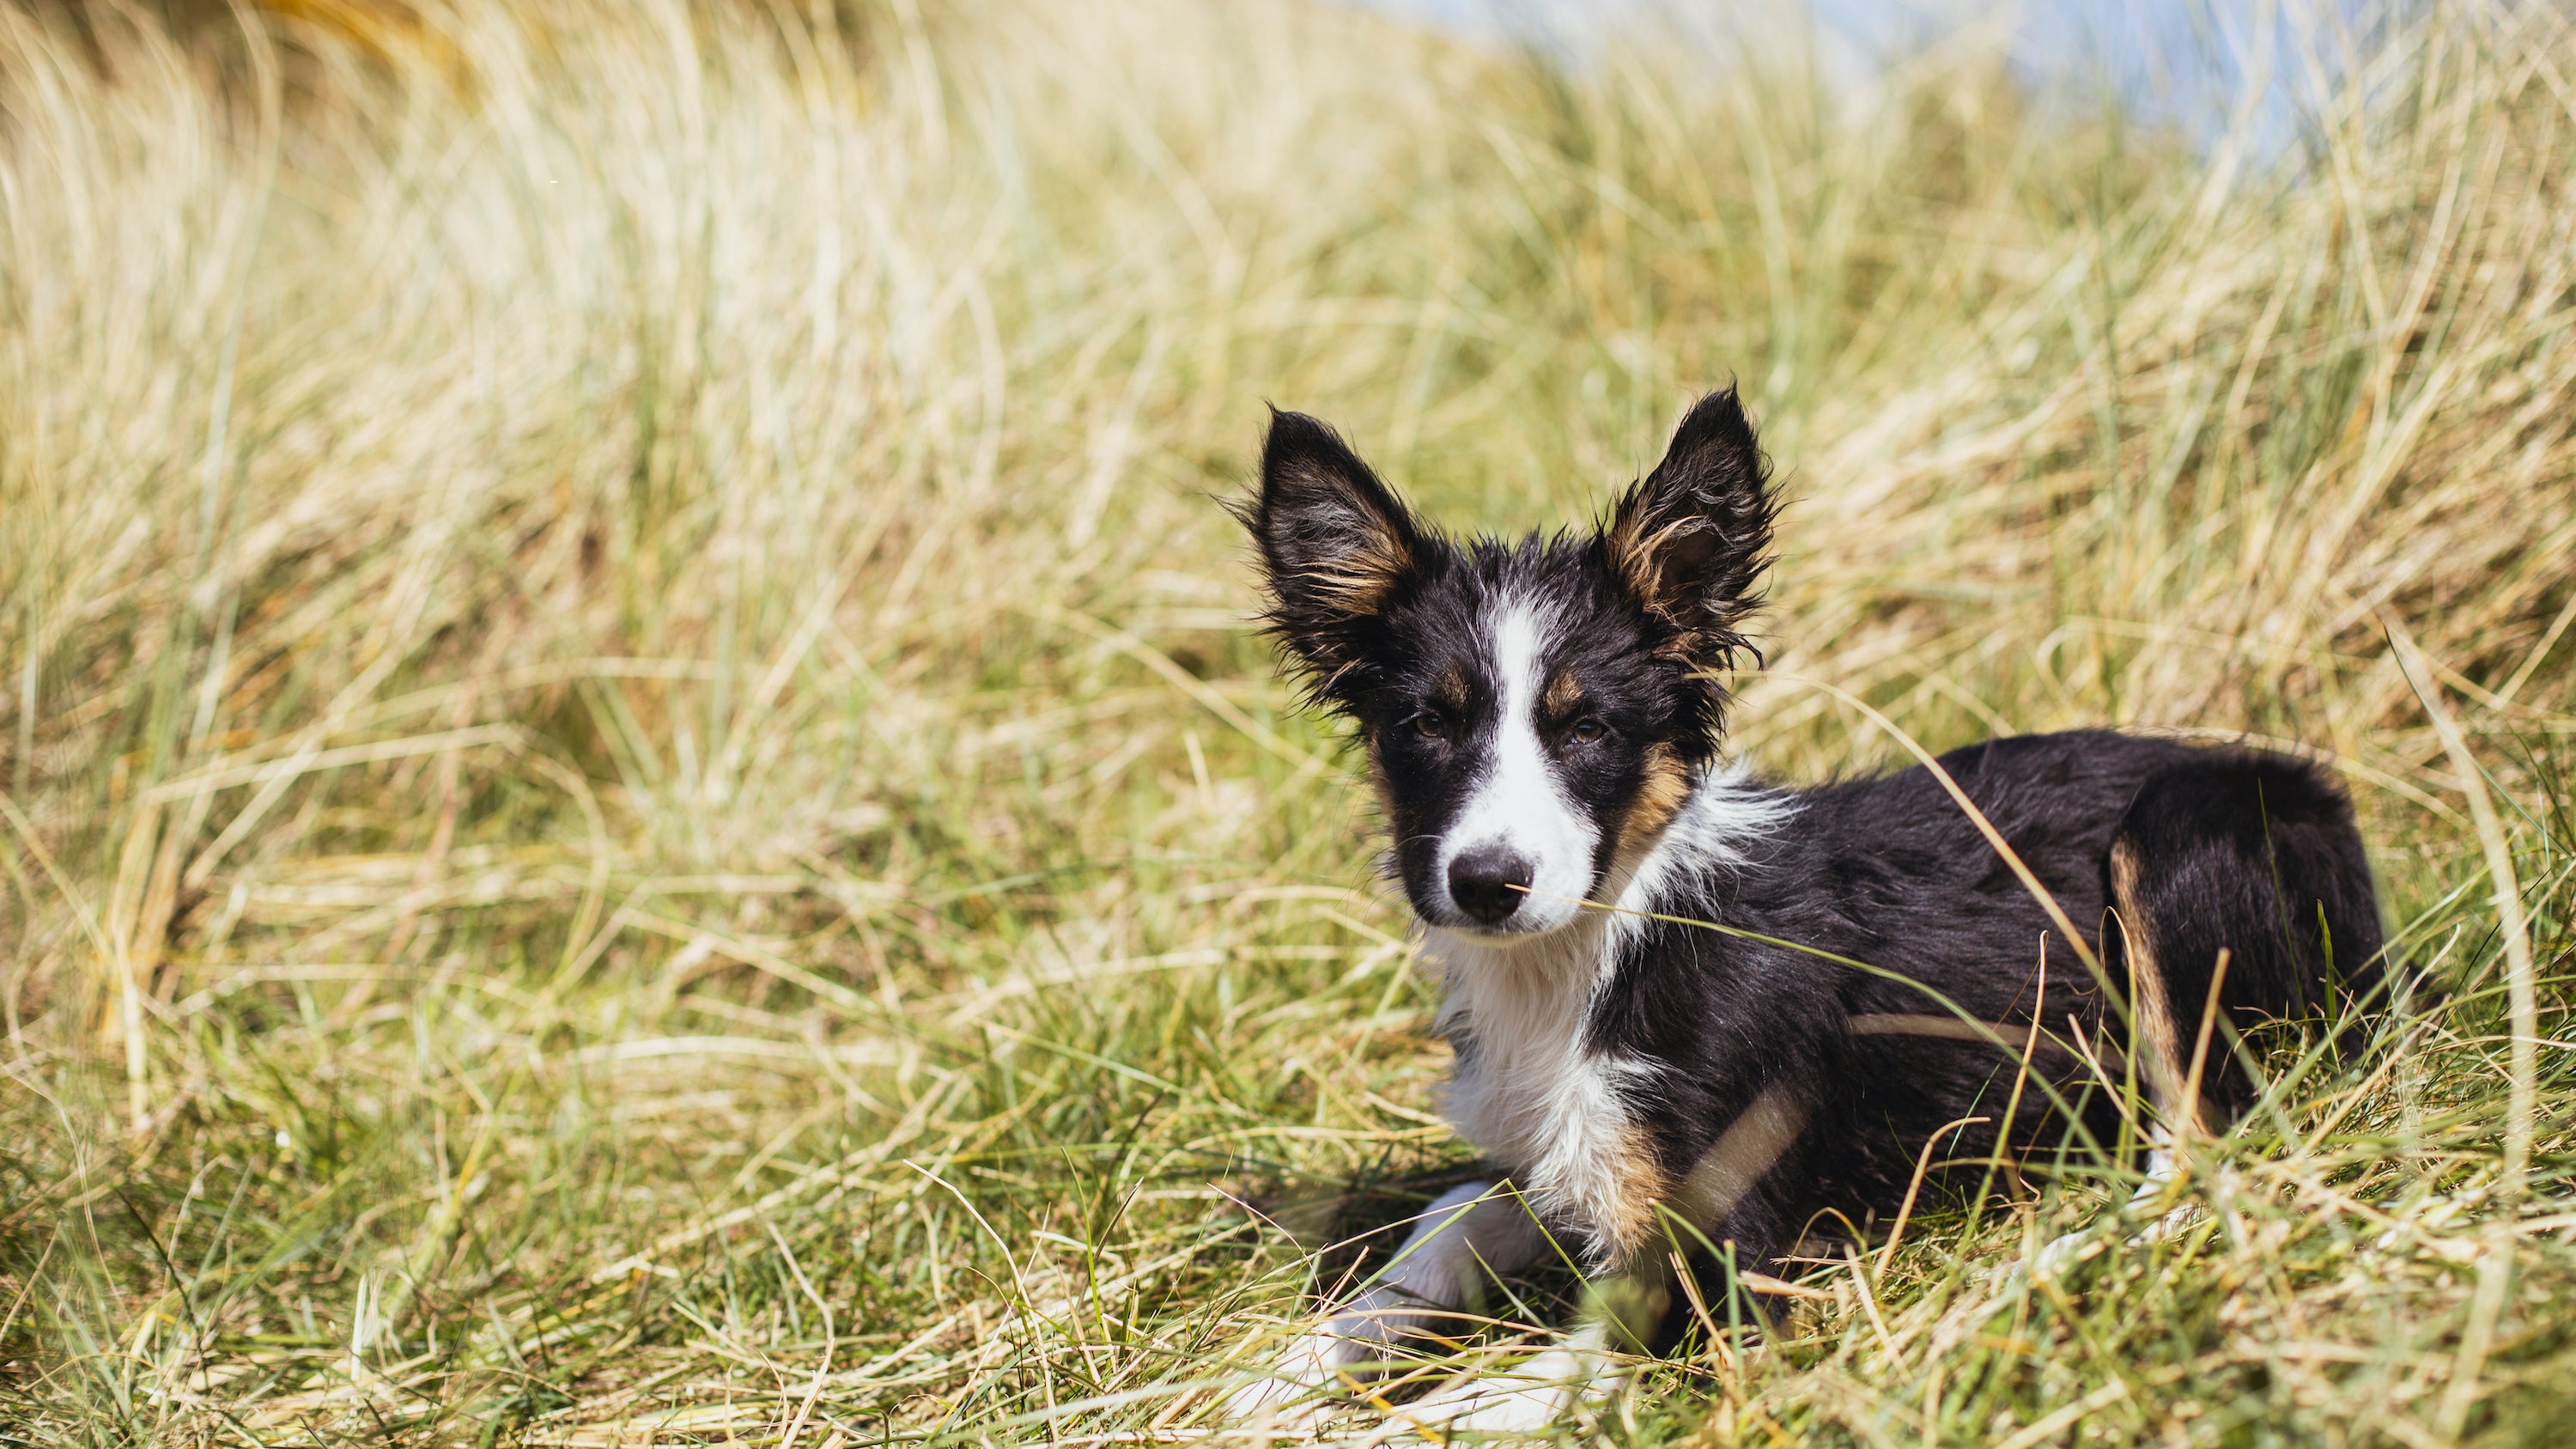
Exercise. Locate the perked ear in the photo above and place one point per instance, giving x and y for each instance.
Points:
(1335, 543)
(1694, 535)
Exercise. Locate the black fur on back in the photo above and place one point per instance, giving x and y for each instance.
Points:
(2256, 853)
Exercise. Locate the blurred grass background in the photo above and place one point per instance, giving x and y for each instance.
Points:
(640, 809)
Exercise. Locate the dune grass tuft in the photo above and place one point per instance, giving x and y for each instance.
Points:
(639, 808)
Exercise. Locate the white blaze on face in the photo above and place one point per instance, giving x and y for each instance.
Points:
(1519, 803)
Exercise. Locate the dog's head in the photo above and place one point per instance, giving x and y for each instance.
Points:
(1532, 711)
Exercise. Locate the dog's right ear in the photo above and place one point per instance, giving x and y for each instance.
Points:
(1335, 545)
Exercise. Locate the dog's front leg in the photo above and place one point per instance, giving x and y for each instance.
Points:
(1479, 1228)
(1719, 1201)
(1583, 1367)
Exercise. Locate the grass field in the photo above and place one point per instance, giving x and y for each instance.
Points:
(639, 808)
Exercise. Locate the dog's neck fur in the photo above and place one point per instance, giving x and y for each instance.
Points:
(1529, 1088)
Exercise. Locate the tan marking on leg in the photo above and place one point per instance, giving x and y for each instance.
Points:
(1721, 1179)
(2148, 996)
(1641, 1184)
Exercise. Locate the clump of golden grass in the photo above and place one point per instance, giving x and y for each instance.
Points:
(639, 808)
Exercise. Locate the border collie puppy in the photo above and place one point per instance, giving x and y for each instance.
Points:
(1693, 1008)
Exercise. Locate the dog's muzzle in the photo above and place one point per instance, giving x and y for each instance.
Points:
(1489, 882)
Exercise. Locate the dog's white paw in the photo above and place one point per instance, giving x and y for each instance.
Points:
(2086, 1244)
(1503, 1407)
(1528, 1401)
(2064, 1252)
(2169, 1222)
(1293, 1392)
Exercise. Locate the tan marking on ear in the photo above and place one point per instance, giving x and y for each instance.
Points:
(1359, 579)
(1688, 641)
(1663, 785)
(1630, 552)
(1359, 583)
(1637, 552)
(2160, 1041)
(1563, 695)
(1693, 616)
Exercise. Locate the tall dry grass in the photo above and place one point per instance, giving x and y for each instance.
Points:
(639, 808)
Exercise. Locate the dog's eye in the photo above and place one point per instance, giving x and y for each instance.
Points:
(1588, 732)
(1430, 725)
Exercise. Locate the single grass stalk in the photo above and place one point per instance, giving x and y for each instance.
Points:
(2506, 891)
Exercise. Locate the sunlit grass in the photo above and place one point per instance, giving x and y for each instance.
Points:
(640, 808)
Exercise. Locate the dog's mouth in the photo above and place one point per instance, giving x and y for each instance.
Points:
(1534, 917)
(1504, 933)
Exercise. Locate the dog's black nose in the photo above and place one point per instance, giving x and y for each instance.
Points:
(1488, 881)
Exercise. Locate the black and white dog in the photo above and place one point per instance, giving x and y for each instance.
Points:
(1692, 1008)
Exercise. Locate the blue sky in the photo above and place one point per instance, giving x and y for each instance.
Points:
(2169, 59)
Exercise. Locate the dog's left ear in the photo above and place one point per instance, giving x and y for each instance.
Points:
(1693, 537)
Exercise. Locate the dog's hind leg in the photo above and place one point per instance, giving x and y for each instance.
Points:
(1470, 1231)
(2250, 866)
(2243, 896)
(2157, 1028)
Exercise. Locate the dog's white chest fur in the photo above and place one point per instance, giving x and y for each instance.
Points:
(1530, 1091)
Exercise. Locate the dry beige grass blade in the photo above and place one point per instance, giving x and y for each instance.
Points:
(2504, 885)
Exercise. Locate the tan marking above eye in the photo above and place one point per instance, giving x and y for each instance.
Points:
(1564, 695)
(1450, 689)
